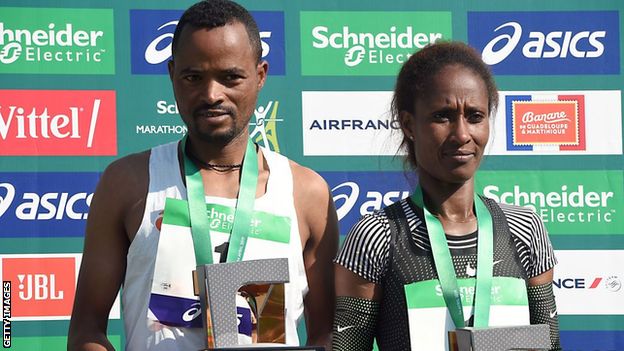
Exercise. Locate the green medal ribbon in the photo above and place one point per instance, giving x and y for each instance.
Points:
(446, 271)
(242, 216)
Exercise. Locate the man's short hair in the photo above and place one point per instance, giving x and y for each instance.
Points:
(218, 13)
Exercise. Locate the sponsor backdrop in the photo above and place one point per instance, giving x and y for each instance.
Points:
(84, 83)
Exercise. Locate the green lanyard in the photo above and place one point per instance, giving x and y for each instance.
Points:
(242, 216)
(446, 271)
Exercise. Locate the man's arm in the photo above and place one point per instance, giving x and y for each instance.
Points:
(106, 246)
(318, 227)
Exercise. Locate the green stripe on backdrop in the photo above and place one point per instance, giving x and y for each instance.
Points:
(583, 322)
(588, 242)
(51, 343)
(52, 335)
(41, 245)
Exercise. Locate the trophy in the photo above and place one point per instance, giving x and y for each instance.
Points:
(525, 337)
(260, 283)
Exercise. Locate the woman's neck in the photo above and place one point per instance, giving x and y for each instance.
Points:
(451, 203)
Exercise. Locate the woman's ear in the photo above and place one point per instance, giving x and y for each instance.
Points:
(407, 124)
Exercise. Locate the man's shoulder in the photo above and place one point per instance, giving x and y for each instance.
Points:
(306, 177)
(127, 177)
(132, 165)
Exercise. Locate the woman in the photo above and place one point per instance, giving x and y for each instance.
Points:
(388, 284)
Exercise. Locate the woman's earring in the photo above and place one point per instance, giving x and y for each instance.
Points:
(410, 138)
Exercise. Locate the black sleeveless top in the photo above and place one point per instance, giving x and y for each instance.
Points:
(409, 263)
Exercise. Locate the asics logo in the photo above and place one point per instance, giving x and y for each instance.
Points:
(10, 53)
(349, 199)
(6, 201)
(155, 56)
(192, 312)
(492, 57)
(555, 44)
(354, 56)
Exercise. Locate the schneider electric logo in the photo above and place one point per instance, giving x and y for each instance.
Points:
(547, 43)
(580, 202)
(366, 43)
(57, 41)
(151, 33)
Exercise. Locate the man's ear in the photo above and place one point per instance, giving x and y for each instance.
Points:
(262, 69)
(170, 67)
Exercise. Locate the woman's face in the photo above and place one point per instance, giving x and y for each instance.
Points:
(450, 126)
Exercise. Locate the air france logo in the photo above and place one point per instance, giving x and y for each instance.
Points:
(547, 42)
(611, 283)
(152, 31)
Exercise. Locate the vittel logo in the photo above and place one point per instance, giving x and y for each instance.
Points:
(46, 206)
(544, 45)
(35, 123)
(348, 194)
(56, 122)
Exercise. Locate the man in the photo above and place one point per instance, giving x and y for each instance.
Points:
(216, 72)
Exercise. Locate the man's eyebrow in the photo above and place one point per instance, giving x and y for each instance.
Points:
(231, 70)
(234, 70)
(191, 70)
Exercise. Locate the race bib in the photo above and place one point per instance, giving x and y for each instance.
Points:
(430, 320)
(173, 300)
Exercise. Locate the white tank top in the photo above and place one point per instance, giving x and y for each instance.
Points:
(165, 181)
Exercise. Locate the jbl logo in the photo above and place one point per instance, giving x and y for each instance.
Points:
(43, 285)
(38, 286)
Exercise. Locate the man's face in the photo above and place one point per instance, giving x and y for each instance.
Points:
(216, 81)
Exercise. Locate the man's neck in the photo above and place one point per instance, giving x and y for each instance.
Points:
(230, 153)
